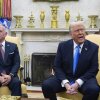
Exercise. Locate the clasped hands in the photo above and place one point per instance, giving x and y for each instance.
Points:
(5, 79)
(72, 89)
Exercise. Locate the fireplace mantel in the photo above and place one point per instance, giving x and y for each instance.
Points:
(54, 33)
(34, 30)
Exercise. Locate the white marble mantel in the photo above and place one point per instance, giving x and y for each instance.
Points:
(40, 35)
(45, 34)
(48, 30)
(38, 30)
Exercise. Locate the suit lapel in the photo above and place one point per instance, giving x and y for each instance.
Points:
(82, 55)
(1, 61)
(85, 48)
(71, 54)
(7, 47)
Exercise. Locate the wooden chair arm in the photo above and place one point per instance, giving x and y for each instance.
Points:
(20, 73)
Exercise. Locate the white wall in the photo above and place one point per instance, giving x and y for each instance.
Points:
(84, 7)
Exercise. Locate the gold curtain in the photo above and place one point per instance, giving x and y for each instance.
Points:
(5, 9)
(1, 2)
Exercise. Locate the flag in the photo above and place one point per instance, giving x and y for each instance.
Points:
(5, 22)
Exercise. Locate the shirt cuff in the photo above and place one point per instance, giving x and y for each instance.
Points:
(12, 75)
(80, 82)
(64, 82)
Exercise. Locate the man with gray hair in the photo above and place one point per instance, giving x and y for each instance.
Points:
(9, 64)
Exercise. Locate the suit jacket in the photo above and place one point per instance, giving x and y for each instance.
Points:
(87, 65)
(11, 62)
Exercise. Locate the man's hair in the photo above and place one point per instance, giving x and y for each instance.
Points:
(75, 23)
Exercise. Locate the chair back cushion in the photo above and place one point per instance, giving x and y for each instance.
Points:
(96, 39)
(13, 40)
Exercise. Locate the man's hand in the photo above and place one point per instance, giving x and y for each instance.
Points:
(68, 88)
(74, 88)
(1, 79)
(7, 79)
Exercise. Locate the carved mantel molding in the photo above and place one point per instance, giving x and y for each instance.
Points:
(49, 34)
(48, 30)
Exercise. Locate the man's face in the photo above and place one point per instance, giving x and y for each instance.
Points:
(78, 33)
(2, 33)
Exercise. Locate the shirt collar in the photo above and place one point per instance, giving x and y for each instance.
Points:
(3, 43)
(81, 45)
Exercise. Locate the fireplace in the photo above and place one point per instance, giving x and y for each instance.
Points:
(41, 66)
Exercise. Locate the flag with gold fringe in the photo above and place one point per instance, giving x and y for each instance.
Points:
(5, 13)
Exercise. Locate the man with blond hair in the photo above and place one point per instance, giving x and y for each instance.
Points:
(75, 67)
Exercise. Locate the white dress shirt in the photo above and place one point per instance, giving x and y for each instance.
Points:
(3, 45)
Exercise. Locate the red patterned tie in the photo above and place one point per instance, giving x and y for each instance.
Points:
(1, 52)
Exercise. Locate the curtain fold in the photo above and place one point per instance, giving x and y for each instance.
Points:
(9, 9)
(1, 5)
(5, 9)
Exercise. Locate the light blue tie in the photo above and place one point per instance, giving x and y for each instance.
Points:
(76, 57)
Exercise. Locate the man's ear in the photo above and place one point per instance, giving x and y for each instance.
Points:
(5, 33)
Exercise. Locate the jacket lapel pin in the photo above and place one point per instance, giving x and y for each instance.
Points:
(86, 49)
(8, 45)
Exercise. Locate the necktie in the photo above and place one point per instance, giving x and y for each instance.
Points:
(76, 57)
(1, 52)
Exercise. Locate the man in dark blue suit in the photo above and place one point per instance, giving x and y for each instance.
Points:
(69, 78)
(9, 64)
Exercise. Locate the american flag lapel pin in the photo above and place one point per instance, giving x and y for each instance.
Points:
(8, 45)
(86, 49)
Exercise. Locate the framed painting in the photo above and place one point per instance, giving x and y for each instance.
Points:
(54, 0)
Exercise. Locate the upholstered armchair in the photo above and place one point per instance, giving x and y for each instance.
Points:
(96, 39)
(4, 90)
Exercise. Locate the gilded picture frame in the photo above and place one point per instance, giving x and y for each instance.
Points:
(54, 0)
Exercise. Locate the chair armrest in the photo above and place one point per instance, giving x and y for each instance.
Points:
(20, 73)
(21, 68)
(98, 77)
